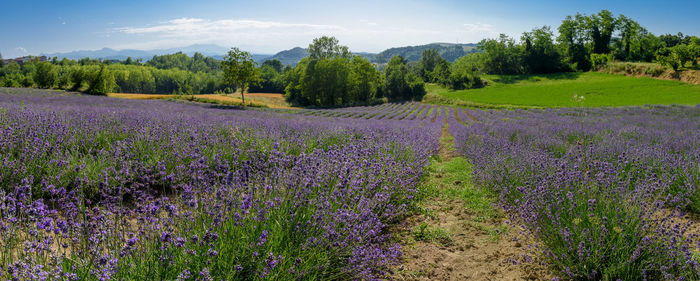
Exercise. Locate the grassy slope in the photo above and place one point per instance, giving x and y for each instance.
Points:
(558, 90)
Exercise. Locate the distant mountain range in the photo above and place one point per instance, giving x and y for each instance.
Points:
(112, 54)
(448, 51)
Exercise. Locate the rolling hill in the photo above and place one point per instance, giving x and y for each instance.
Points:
(448, 51)
(214, 51)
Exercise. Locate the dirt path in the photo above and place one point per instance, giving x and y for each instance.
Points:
(458, 234)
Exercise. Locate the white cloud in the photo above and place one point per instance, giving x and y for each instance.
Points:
(21, 50)
(265, 36)
(478, 27)
(368, 22)
(195, 30)
(272, 36)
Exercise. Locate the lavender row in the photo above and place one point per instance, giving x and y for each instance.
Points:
(601, 189)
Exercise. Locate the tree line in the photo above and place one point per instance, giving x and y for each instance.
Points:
(330, 76)
(169, 74)
(584, 43)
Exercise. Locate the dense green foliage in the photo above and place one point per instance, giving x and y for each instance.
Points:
(584, 43)
(400, 83)
(332, 76)
(271, 77)
(464, 74)
(570, 89)
(333, 81)
(196, 63)
(100, 77)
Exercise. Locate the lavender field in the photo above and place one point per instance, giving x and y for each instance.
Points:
(95, 188)
(605, 190)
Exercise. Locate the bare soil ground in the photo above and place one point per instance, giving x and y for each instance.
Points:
(463, 245)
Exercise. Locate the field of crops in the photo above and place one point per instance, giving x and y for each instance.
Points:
(596, 186)
(98, 188)
(102, 188)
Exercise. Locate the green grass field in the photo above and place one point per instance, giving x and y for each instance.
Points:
(559, 90)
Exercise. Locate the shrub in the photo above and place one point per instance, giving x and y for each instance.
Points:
(668, 58)
(600, 60)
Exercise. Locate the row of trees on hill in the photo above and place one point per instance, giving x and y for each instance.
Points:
(96, 77)
(583, 43)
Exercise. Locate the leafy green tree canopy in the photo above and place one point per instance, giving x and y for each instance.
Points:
(328, 47)
(239, 70)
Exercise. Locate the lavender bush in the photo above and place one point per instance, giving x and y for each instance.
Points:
(95, 188)
(595, 186)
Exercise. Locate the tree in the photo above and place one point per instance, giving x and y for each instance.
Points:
(366, 80)
(2, 61)
(441, 72)
(672, 40)
(572, 39)
(400, 83)
(695, 51)
(501, 56)
(540, 55)
(630, 33)
(667, 57)
(270, 80)
(102, 82)
(239, 70)
(601, 27)
(328, 47)
(275, 64)
(63, 77)
(78, 77)
(129, 61)
(45, 75)
(429, 59)
(684, 53)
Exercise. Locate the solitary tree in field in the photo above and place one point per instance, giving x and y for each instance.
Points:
(239, 70)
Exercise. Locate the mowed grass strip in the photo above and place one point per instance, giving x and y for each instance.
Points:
(570, 89)
(254, 99)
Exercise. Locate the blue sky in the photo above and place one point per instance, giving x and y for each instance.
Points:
(46, 26)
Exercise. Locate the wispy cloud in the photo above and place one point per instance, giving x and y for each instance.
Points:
(227, 31)
(368, 22)
(193, 26)
(21, 50)
(478, 27)
(272, 36)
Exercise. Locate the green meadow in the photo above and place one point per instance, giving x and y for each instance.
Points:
(568, 89)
